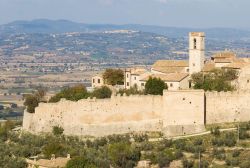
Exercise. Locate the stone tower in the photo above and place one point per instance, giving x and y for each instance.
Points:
(196, 51)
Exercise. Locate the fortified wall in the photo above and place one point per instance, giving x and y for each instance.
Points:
(175, 113)
(224, 107)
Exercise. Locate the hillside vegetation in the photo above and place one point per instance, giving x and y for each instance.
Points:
(220, 149)
(215, 80)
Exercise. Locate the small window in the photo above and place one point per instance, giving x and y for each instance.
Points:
(195, 43)
(135, 78)
(99, 80)
(171, 84)
(142, 84)
(127, 83)
(93, 80)
(187, 70)
(248, 81)
(127, 75)
(193, 64)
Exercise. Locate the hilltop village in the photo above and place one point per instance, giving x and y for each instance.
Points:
(177, 73)
(180, 110)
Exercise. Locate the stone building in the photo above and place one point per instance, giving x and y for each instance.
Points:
(174, 81)
(97, 81)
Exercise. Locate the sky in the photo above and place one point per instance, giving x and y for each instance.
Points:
(176, 13)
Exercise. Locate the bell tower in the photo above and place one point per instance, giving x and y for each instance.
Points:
(196, 51)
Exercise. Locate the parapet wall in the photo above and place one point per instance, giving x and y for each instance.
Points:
(173, 113)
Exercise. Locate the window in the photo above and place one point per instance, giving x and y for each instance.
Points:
(127, 75)
(93, 80)
(187, 70)
(193, 64)
(195, 43)
(135, 78)
(142, 84)
(171, 84)
(127, 83)
(248, 81)
(99, 80)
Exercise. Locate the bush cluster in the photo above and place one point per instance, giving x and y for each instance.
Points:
(228, 139)
(80, 92)
(217, 80)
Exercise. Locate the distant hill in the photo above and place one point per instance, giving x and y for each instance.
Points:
(62, 26)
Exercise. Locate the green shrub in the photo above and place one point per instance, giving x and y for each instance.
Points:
(236, 153)
(118, 138)
(75, 93)
(245, 164)
(198, 142)
(102, 93)
(230, 139)
(131, 91)
(180, 144)
(32, 100)
(57, 130)
(167, 143)
(232, 161)
(140, 137)
(146, 146)
(215, 131)
(155, 86)
(243, 133)
(113, 77)
(163, 159)
(217, 79)
(121, 154)
(219, 154)
(178, 154)
(54, 147)
(79, 162)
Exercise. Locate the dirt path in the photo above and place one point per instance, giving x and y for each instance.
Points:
(191, 135)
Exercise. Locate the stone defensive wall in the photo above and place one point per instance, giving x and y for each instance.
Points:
(222, 107)
(174, 113)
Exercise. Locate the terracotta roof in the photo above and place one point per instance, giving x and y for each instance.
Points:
(225, 54)
(136, 70)
(222, 60)
(55, 163)
(246, 60)
(208, 67)
(236, 65)
(170, 63)
(169, 69)
(171, 77)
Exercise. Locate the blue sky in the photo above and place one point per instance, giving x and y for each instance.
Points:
(179, 13)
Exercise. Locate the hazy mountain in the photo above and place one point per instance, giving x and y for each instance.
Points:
(61, 26)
